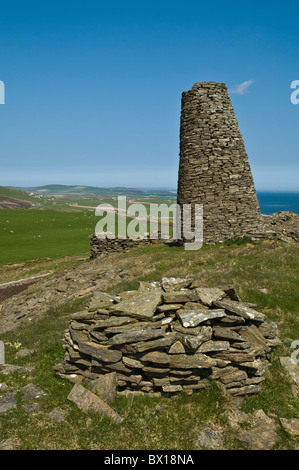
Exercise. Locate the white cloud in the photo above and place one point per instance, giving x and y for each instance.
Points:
(242, 88)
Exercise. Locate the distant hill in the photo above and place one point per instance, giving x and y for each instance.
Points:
(15, 194)
(80, 190)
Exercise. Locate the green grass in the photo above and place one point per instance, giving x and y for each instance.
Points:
(35, 234)
(165, 422)
(15, 194)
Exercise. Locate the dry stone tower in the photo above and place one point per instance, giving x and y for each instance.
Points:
(214, 169)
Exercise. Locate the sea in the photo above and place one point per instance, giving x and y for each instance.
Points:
(271, 202)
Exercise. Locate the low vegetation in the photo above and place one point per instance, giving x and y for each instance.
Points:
(265, 273)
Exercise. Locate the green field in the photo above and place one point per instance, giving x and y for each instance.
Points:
(50, 231)
(35, 234)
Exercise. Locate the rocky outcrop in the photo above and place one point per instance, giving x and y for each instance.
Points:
(170, 336)
(55, 290)
(282, 226)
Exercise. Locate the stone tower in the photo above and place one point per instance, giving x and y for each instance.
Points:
(214, 169)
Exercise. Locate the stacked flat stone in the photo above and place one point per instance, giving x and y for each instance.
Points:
(99, 246)
(170, 336)
(214, 168)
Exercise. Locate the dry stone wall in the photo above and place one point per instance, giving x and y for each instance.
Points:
(107, 245)
(214, 168)
(170, 336)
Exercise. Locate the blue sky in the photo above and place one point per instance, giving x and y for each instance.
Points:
(93, 88)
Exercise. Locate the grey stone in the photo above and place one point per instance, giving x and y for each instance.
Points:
(177, 348)
(193, 318)
(211, 439)
(226, 333)
(136, 335)
(234, 356)
(132, 363)
(156, 357)
(261, 437)
(181, 296)
(57, 415)
(141, 306)
(8, 369)
(208, 295)
(195, 361)
(32, 392)
(172, 388)
(239, 308)
(88, 401)
(100, 300)
(24, 352)
(291, 426)
(142, 346)
(257, 341)
(171, 284)
(169, 307)
(112, 321)
(211, 346)
(101, 352)
(8, 402)
(193, 342)
(3, 387)
(104, 386)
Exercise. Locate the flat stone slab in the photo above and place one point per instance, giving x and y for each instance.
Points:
(208, 295)
(171, 284)
(141, 305)
(11, 368)
(101, 352)
(291, 426)
(196, 361)
(239, 308)
(88, 401)
(261, 437)
(137, 335)
(32, 392)
(181, 296)
(212, 346)
(211, 439)
(104, 386)
(192, 318)
(156, 357)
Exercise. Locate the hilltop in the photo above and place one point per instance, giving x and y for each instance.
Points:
(80, 190)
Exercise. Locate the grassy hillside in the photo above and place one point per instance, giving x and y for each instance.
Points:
(265, 273)
(15, 194)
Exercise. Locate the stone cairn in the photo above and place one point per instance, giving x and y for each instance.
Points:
(170, 336)
(214, 168)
